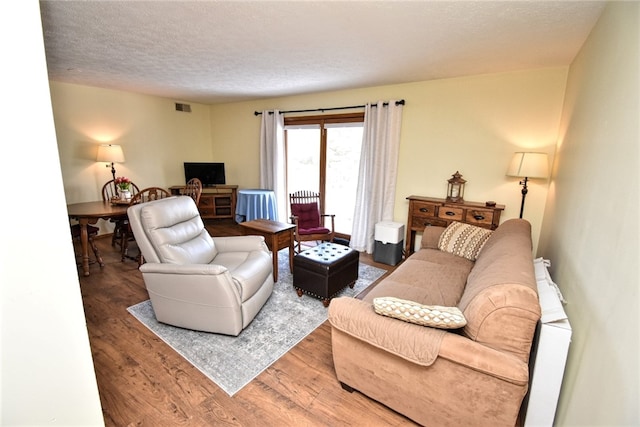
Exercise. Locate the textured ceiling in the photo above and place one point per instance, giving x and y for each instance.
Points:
(223, 51)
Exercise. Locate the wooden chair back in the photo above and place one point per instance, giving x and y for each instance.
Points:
(149, 194)
(317, 232)
(304, 197)
(144, 195)
(193, 190)
(109, 190)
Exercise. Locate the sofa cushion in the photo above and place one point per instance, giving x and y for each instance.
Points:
(435, 316)
(463, 240)
(431, 237)
(429, 276)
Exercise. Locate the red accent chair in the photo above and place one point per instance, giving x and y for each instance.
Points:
(309, 219)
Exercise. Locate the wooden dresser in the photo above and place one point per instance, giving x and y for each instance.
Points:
(215, 202)
(430, 211)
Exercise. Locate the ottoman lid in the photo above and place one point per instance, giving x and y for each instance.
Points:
(325, 253)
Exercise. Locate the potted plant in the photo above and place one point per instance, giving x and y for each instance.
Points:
(123, 184)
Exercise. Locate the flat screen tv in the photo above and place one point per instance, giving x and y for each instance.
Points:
(210, 174)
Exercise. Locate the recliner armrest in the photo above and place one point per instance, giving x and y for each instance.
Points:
(187, 269)
(240, 244)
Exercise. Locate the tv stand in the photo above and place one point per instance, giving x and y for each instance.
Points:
(217, 202)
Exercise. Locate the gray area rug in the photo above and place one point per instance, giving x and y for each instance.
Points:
(286, 319)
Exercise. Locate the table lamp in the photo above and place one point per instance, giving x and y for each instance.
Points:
(110, 153)
(528, 165)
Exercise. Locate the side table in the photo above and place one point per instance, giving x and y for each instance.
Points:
(277, 235)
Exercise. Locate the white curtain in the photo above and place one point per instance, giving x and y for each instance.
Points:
(378, 171)
(272, 158)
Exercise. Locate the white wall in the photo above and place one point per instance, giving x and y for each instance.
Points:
(590, 230)
(46, 370)
(469, 124)
(156, 139)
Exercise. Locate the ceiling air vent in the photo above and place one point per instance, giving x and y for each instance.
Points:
(183, 107)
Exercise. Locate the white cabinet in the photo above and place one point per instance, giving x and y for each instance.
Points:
(549, 352)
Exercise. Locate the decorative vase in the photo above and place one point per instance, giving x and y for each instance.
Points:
(125, 195)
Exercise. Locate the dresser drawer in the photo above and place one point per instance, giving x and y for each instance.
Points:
(418, 223)
(424, 210)
(433, 211)
(479, 217)
(451, 213)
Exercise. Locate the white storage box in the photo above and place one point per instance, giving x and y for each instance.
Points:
(549, 352)
(389, 232)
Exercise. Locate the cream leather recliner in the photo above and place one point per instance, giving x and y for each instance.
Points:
(195, 281)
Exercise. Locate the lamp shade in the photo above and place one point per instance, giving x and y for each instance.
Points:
(110, 153)
(529, 165)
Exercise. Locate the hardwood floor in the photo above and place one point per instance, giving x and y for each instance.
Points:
(144, 382)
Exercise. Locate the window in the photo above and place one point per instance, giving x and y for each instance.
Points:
(323, 155)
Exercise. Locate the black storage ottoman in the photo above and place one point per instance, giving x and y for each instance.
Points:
(325, 270)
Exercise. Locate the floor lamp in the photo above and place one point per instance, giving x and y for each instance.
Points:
(111, 153)
(528, 165)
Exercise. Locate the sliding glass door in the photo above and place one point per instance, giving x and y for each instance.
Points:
(323, 155)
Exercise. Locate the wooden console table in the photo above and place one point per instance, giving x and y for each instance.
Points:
(215, 202)
(431, 211)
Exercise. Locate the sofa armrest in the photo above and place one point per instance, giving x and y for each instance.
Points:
(480, 358)
(357, 318)
(422, 345)
(240, 244)
(186, 269)
(431, 237)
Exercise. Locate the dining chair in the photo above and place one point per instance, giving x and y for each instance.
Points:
(92, 232)
(308, 218)
(145, 195)
(109, 192)
(193, 190)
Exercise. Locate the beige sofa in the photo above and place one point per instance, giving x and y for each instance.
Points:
(474, 376)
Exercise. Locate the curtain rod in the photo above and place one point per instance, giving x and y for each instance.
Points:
(257, 113)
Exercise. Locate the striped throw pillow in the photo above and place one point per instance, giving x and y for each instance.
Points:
(463, 240)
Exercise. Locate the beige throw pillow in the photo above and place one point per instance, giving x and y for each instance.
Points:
(463, 240)
(424, 315)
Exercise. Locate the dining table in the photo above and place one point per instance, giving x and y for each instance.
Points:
(89, 213)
